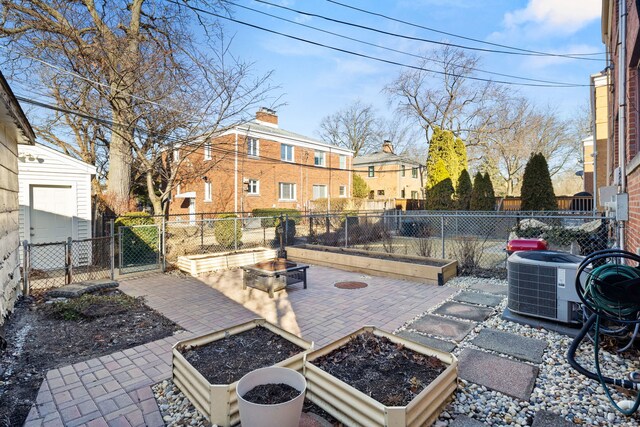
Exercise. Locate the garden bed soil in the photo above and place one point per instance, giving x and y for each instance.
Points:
(271, 394)
(227, 360)
(386, 371)
(45, 335)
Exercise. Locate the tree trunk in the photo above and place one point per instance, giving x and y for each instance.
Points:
(119, 181)
(156, 201)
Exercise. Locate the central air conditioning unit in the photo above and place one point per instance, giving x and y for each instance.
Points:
(542, 284)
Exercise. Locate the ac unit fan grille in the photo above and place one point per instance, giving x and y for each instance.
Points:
(532, 289)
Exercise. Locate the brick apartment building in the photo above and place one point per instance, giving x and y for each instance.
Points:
(597, 176)
(258, 165)
(623, 51)
(388, 175)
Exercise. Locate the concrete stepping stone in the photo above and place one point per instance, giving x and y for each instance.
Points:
(441, 345)
(489, 288)
(464, 311)
(74, 290)
(524, 348)
(512, 378)
(464, 421)
(549, 419)
(454, 330)
(477, 298)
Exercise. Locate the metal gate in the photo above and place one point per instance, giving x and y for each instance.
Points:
(139, 248)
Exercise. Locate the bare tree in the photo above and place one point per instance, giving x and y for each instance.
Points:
(120, 53)
(446, 99)
(518, 130)
(356, 127)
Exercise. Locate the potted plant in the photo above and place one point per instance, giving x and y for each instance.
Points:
(271, 397)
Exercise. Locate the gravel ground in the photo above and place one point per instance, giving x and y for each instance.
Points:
(558, 389)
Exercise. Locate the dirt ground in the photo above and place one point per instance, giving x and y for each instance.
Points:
(43, 335)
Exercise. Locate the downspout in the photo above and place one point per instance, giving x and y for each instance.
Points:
(329, 192)
(235, 176)
(622, 122)
(594, 152)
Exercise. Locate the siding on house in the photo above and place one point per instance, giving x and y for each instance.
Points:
(14, 130)
(40, 165)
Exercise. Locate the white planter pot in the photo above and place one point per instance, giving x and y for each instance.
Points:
(285, 414)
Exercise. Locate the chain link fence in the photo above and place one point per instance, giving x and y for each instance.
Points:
(51, 265)
(474, 239)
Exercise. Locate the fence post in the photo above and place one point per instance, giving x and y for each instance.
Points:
(346, 231)
(442, 233)
(112, 248)
(68, 262)
(235, 233)
(26, 267)
(163, 245)
(201, 232)
(286, 229)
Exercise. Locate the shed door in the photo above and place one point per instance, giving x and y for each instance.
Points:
(51, 213)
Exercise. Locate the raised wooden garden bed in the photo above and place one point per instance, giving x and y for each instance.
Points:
(200, 264)
(408, 267)
(355, 408)
(218, 402)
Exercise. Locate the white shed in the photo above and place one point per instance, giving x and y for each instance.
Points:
(55, 195)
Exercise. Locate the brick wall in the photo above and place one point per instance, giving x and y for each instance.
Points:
(267, 169)
(388, 178)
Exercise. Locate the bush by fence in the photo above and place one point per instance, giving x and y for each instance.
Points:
(272, 213)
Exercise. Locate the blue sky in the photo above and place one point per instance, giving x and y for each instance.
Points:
(315, 81)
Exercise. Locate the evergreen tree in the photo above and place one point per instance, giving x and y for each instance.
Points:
(476, 200)
(440, 196)
(537, 189)
(463, 191)
(360, 187)
(489, 193)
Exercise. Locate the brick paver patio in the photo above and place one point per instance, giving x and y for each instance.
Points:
(115, 390)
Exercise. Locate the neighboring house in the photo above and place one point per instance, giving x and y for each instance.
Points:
(594, 181)
(623, 51)
(55, 195)
(390, 176)
(259, 165)
(15, 130)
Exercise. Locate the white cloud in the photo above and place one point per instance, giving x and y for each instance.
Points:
(565, 16)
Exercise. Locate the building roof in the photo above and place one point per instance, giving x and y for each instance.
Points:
(257, 127)
(383, 157)
(11, 108)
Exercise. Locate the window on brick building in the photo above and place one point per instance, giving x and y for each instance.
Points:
(286, 152)
(414, 195)
(343, 161)
(402, 193)
(207, 151)
(414, 172)
(342, 191)
(253, 147)
(380, 192)
(208, 191)
(319, 158)
(286, 191)
(253, 187)
(319, 192)
(176, 155)
(372, 172)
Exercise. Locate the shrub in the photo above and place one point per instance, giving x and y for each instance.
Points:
(224, 229)
(273, 213)
(130, 219)
(360, 187)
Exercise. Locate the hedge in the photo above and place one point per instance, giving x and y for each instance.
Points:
(269, 215)
(224, 229)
